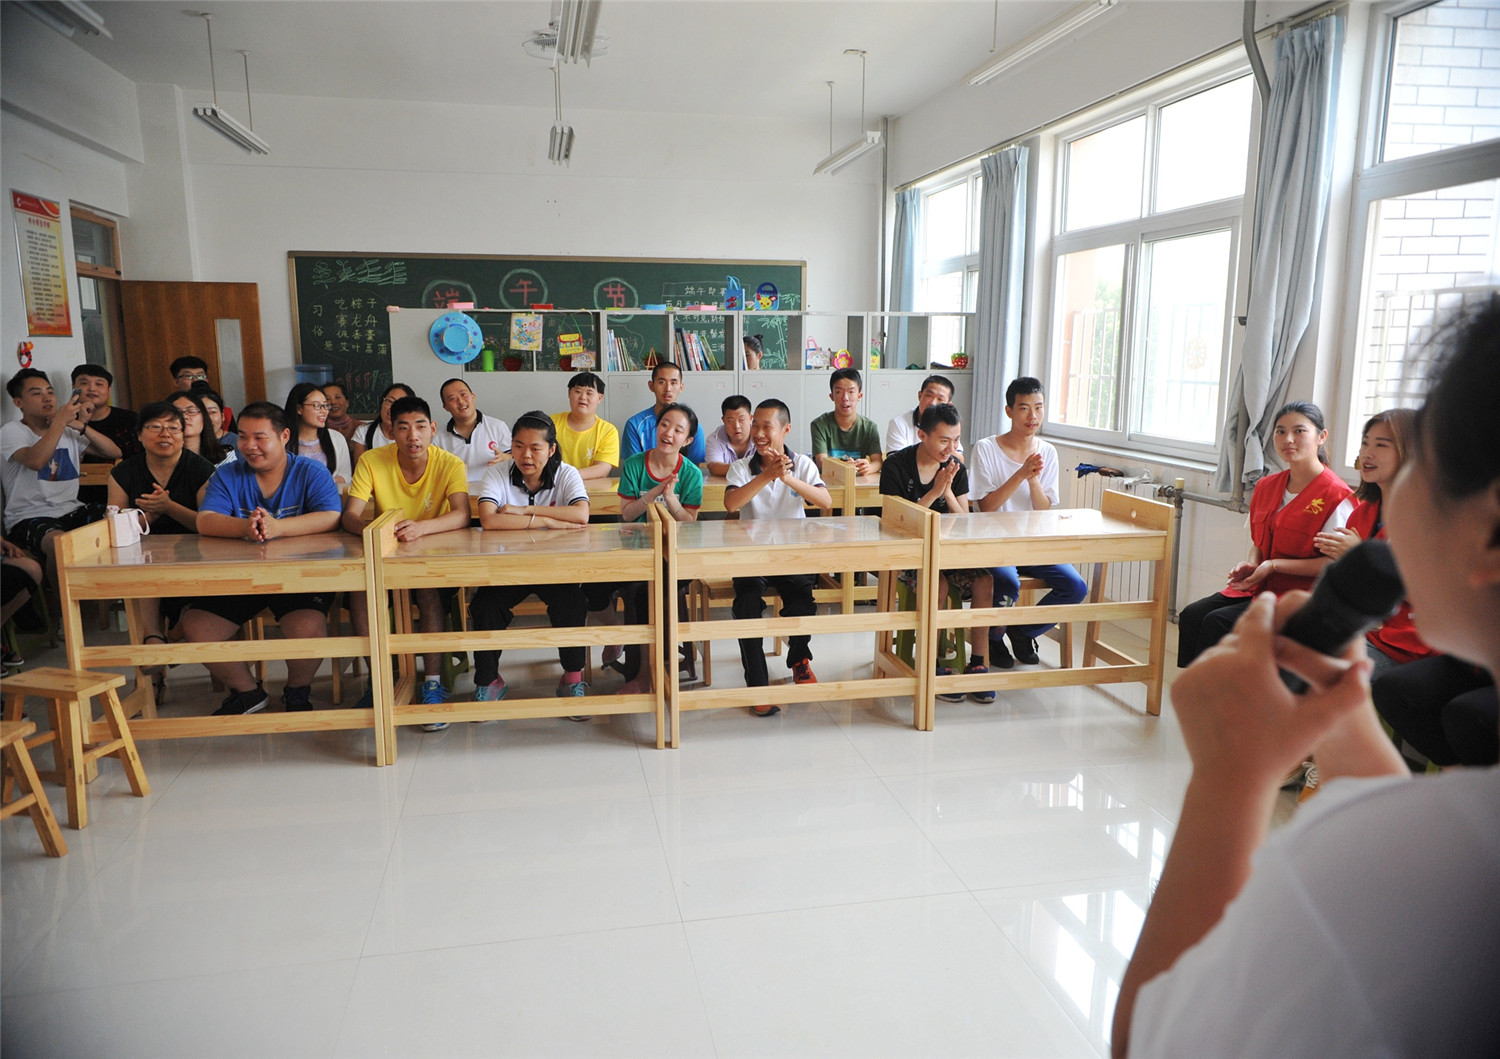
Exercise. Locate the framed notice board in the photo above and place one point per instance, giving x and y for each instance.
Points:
(339, 300)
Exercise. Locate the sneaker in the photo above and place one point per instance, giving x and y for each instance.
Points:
(766, 711)
(11, 660)
(242, 702)
(802, 673)
(1024, 648)
(576, 690)
(1297, 776)
(948, 696)
(434, 694)
(984, 698)
(494, 691)
(296, 699)
(1000, 656)
(1309, 784)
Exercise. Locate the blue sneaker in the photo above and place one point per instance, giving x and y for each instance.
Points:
(984, 698)
(576, 690)
(434, 694)
(494, 691)
(948, 696)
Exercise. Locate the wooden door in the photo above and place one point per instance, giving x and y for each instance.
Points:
(219, 322)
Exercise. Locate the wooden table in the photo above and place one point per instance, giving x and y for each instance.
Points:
(895, 541)
(189, 565)
(1126, 529)
(471, 558)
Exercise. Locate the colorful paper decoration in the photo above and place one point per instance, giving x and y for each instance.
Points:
(767, 296)
(734, 294)
(455, 338)
(526, 332)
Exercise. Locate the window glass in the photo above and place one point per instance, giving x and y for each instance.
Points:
(1444, 86)
(1183, 343)
(1105, 173)
(1202, 146)
(942, 293)
(944, 223)
(1086, 357)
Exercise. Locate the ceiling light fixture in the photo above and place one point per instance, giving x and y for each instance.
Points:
(219, 120)
(571, 34)
(560, 142)
(66, 17)
(868, 139)
(1039, 41)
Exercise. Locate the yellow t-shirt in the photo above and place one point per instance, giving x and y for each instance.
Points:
(582, 448)
(379, 475)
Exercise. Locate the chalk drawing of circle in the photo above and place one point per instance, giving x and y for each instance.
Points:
(521, 288)
(601, 301)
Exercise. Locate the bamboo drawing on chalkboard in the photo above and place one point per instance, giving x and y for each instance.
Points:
(374, 271)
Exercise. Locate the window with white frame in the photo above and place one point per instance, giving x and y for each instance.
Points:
(1144, 256)
(1428, 197)
(948, 274)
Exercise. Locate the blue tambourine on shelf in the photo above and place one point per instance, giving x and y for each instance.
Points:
(455, 338)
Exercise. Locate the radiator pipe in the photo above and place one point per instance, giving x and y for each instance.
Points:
(1177, 494)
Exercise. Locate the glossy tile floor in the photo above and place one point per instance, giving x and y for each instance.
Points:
(825, 882)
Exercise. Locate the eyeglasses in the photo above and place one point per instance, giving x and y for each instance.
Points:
(190, 413)
(161, 428)
(192, 376)
(317, 406)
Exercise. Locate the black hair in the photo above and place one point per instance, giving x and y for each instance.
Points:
(539, 420)
(445, 386)
(941, 380)
(334, 382)
(1313, 414)
(158, 410)
(208, 445)
(374, 424)
(405, 406)
(203, 389)
(264, 410)
(294, 401)
(17, 381)
(692, 418)
(934, 414)
(757, 343)
(1024, 386)
(187, 362)
(588, 379)
(93, 371)
(663, 366)
(1455, 427)
(733, 403)
(845, 373)
(783, 413)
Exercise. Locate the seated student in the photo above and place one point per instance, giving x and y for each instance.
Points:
(20, 577)
(901, 432)
(1017, 471)
(197, 435)
(1441, 708)
(844, 434)
(928, 473)
(307, 411)
(662, 476)
(339, 418)
(732, 440)
(430, 486)
(774, 482)
(535, 491)
(377, 432)
(755, 351)
(264, 494)
(589, 444)
(479, 440)
(188, 372)
(1369, 924)
(1287, 511)
(42, 453)
(117, 424)
(213, 407)
(640, 429)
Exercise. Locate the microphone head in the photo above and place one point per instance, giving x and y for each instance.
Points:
(1365, 579)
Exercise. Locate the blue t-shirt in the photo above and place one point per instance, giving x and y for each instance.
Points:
(639, 435)
(305, 487)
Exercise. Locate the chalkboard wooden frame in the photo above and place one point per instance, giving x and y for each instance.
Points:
(339, 300)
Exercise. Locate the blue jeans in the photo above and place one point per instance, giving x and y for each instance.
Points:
(1065, 584)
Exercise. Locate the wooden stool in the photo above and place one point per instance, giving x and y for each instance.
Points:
(18, 763)
(69, 691)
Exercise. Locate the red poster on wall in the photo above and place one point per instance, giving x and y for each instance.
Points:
(44, 274)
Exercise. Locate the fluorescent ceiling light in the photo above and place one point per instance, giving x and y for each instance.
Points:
(577, 21)
(1039, 41)
(232, 129)
(560, 144)
(842, 157)
(66, 17)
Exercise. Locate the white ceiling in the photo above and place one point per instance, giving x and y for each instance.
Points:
(766, 58)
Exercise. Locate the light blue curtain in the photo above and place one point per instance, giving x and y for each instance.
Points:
(905, 233)
(1296, 170)
(1001, 298)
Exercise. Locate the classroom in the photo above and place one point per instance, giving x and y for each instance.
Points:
(1100, 197)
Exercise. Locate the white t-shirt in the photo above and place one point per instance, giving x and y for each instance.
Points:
(1370, 926)
(777, 500)
(491, 438)
(990, 468)
(50, 492)
(373, 436)
(901, 433)
(503, 485)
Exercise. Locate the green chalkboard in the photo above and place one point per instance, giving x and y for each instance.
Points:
(339, 301)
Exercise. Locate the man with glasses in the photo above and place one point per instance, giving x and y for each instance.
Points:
(187, 371)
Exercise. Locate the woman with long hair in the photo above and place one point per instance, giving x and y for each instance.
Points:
(197, 433)
(307, 413)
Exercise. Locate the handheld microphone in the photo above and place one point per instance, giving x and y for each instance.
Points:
(1352, 595)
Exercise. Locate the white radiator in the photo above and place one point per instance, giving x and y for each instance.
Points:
(1125, 582)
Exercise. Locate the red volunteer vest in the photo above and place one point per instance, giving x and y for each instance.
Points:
(1398, 637)
(1287, 532)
